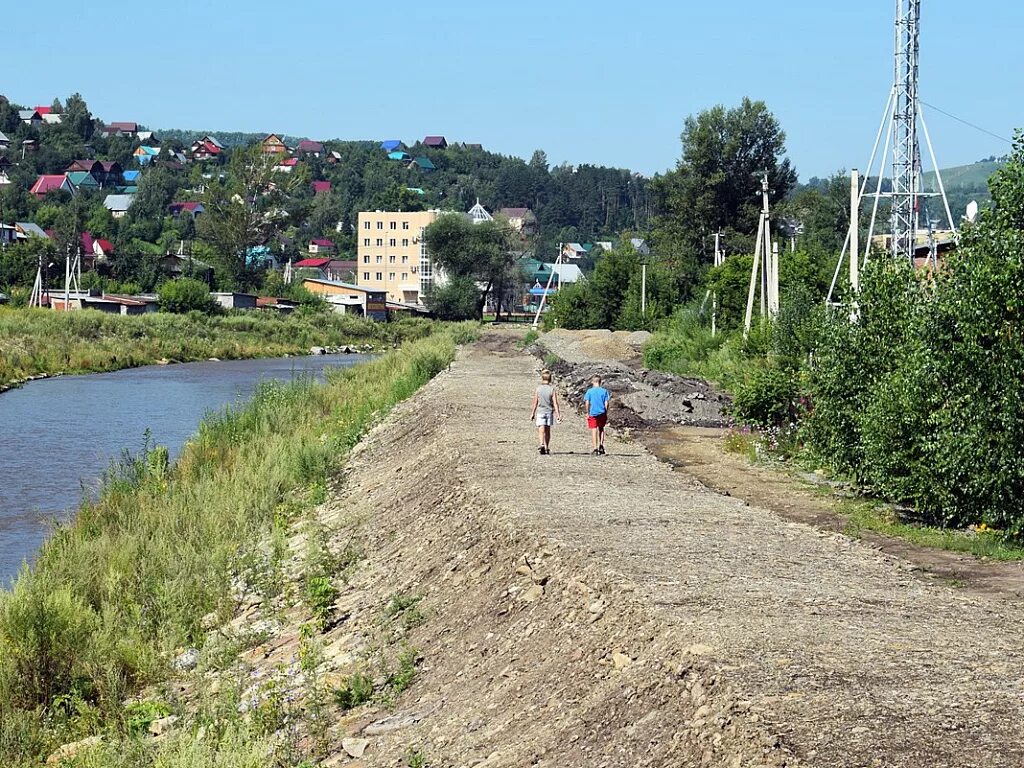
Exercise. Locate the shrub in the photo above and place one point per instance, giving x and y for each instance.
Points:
(768, 397)
(44, 639)
(186, 295)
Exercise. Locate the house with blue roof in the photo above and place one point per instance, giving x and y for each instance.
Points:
(131, 177)
(391, 145)
(399, 155)
(145, 155)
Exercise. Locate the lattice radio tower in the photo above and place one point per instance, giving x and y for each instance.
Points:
(902, 117)
(906, 151)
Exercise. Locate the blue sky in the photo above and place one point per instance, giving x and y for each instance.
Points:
(600, 82)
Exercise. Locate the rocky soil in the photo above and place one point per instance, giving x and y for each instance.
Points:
(640, 397)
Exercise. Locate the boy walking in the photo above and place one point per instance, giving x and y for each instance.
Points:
(545, 411)
(597, 399)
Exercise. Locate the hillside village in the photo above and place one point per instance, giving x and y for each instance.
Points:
(130, 208)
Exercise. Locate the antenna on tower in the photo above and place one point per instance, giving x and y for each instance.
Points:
(902, 116)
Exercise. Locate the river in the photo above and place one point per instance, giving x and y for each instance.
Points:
(58, 435)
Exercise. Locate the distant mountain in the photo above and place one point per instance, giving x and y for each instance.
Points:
(966, 178)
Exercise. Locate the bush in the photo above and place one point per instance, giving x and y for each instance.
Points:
(768, 397)
(44, 638)
(186, 295)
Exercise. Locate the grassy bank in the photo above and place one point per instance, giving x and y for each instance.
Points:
(40, 342)
(117, 592)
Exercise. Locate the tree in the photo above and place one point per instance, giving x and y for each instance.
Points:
(77, 117)
(455, 300)
(715, 184)
(185, 295)
(480, 253)
(243, 212)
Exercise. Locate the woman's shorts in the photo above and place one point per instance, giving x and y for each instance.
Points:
(545, 419)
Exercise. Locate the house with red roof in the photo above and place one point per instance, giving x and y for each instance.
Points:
(287, 165)
(206, 148)
(321, 245)
(321, 187)
(307, 147)
(192, 209)
(49, 116)
(94, 249)
(48, 183)
(439, 142)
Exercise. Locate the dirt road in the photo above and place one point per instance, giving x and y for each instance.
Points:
(854, 660)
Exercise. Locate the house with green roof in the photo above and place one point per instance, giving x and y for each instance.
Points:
(423, 163)
(83, 180)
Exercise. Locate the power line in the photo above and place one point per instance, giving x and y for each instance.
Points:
(969, 124)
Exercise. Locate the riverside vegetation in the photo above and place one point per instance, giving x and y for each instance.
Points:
(40, 342)
(117, 591)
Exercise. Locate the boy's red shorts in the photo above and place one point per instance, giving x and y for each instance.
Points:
(597, 422)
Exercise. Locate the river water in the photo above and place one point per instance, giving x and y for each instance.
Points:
(58, 435)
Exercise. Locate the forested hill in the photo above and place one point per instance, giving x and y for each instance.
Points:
(572, 203)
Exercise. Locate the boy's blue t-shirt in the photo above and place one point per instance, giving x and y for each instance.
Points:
(596, 399)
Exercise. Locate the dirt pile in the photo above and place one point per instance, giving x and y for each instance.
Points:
(640, 397)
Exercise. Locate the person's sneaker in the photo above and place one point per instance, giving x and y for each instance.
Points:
(600, 450)
(596, 452)
(541, 450)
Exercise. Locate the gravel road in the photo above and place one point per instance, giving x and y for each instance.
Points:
(855, 660)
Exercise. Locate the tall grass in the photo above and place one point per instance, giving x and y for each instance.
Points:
(36, 341)
(685, 346)
(116, 592)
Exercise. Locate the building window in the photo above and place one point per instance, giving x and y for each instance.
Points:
(405, 275)
(366, 225)
(380, 259)
(366, 275)
(391, 242)
(391, 259)
(405, 259)
(405, 225)
(380, 241)
(391, 275)
(394, 225)
(380, 275)
(380, 225)
(366, 241)
(366, 259)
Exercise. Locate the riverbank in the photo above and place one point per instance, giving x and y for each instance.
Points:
(138, 574)
(41, 343)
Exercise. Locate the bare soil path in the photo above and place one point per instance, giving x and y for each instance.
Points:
(857, 661)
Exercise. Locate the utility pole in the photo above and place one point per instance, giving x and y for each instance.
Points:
(643, 289)
(762, 262)
(719, 259)
(543, 298)
(36, 297)
(854, 231)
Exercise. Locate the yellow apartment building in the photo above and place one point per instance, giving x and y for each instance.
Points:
(391, 255)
